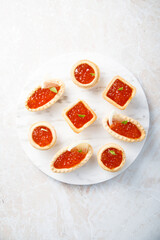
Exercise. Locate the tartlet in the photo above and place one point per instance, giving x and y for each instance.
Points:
(85, 74)
(119, 92)
(42, 135)
(79, 116)
(124, 128)
(45, 96)
(72, 157)
(111, 157)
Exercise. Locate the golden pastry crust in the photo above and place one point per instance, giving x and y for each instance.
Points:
(78, 130)
(124, 118)
(54, 100)
(113, 102)
(102, 149)
(48, 125)
(96, 70)
(84, 146)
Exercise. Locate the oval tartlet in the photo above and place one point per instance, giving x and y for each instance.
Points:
(45, 96)
(111, 157)
(70, 158)
(126, 124)
(85, 74)
(42, 135)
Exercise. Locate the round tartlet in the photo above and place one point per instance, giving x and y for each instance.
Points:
(125, 120)
(93, 73)
(70, 151)
(42, 126)
(50, 84)
(114, 147)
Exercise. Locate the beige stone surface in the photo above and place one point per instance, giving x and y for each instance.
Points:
(34, 206)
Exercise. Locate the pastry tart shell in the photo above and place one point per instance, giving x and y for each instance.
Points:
(94, 81)
(120, 137)
(52, 101)
(84, 146)
(48, 125)
(102, 149)
(78, 130)
(104, 95)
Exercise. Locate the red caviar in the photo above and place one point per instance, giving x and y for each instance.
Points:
(111, 160)
(84, 73)
(42, 136)
(79, 115)
(69, 159)
(41, 96)
(119, 92)
(128, 129)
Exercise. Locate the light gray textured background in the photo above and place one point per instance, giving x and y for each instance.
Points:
(34, 206)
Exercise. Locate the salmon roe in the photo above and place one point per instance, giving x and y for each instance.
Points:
(69, 159)
(111, 160)
(84, 73)
(119, 92)
(128, 129)
(79, 115)
(42, 136)
(41, 96)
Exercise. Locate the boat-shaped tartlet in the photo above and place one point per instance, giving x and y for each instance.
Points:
(85, 74)
(119, 92)
(111, 157)
(124, 128)
(79, 116)
(70, 158)
(42, 135)
(45, 96)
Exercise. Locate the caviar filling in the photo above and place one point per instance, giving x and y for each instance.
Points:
(79, 115)
(69, 159)
(42, 136)
(42, 96)
(112, 157)
(119, 92)
(84, 73)
(125, 128)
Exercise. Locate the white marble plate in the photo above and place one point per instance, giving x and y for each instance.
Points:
(95, 134)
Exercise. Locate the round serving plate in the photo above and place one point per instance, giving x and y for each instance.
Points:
(95, 134)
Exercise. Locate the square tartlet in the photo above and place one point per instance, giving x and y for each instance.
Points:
(119, 92)
(79, 116)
